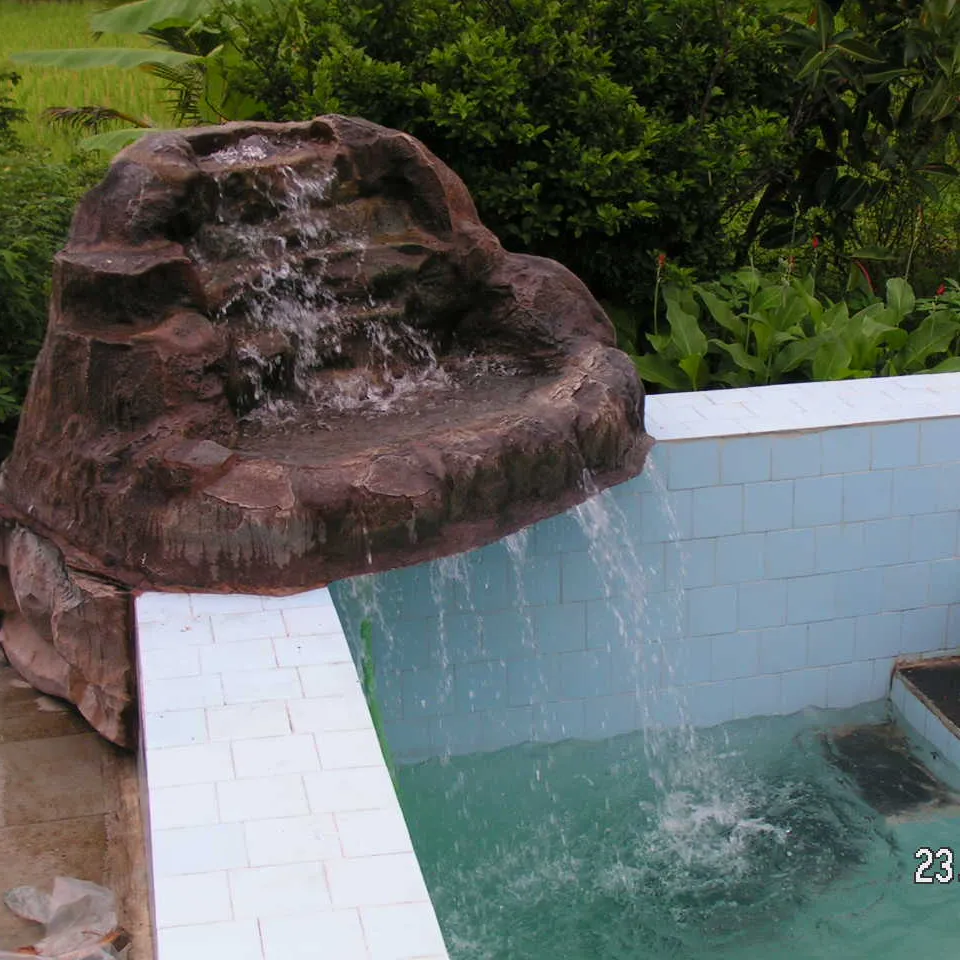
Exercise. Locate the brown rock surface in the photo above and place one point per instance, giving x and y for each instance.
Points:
(68, 634)
(280, 355)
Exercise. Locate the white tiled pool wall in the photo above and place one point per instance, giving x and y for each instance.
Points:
(274, 829)
(814, 540)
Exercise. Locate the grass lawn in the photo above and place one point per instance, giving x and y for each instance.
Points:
(53, 24)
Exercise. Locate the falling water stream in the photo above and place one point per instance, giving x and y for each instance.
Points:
(741, 841)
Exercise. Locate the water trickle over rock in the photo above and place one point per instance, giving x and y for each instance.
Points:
(283, 354)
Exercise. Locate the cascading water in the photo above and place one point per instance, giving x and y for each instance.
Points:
(301, 347)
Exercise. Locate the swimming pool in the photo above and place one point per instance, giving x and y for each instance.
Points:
(757, 846)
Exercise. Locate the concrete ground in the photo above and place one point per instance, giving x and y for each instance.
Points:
(68, 807)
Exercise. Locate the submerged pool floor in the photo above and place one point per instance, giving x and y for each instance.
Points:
(749, 841)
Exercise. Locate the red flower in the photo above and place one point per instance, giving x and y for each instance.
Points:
(941, 290)
(661, 261)
(816, 242)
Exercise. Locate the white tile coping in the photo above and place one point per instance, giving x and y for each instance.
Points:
(801, 406)
(274, 828)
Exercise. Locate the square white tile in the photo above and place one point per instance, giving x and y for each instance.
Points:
(350, 748)
(233, 627)
(264, 798)
(202, 849)
(275, 756)
(175, 728)
(180, 766)
(311, 649)
(329, 714)
(359, 788)
(240, 655)
(197, 898)
(330, 680)
(256, 686)
(292, 840)
(191, 806)
(279, 891)
(406, 931)
(246, 721)
(366, 833)
(236, 940)
(314, 936)
(311, 620)
(376, 881)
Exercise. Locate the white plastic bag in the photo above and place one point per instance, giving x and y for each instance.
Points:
(78, 917)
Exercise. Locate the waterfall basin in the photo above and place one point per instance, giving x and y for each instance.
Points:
(760, 847)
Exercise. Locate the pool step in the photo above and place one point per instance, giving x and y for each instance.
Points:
(926, 696)
(887, 773)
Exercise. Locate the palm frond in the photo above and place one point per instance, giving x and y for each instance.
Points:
(184, 84)
(92, 118)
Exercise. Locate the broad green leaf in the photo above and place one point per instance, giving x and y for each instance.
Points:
(883, 76)
(900, 297)
(790, 313)
(950, 365)
(868, 329)
(661, 342)
(114, 140)
(831, 361)
(860, 50)
(141, 16)
(655, 369)
(763, 334)
(816, 62)
(740, 357)
(766, 300)
(795, 354)
(722, 313)
(835, 314)
(85, 58)
(933, 336)
(749, 278)
(686, 330)
(695, 367)
(805, 290)
(824, 16)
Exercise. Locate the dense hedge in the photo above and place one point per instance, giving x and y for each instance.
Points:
(37, 197)
(598, 132)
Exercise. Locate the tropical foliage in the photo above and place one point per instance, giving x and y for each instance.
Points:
(650, 145)
(184, 49)
(37, 197)
(750, 329)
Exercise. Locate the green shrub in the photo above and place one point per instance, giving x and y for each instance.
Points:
(597, 132)
(10, 113)
(875, 117)
(753, 329)
(37, 198)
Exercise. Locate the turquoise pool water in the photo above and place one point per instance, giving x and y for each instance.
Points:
(755, 846)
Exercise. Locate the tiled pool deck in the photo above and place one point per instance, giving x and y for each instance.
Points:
(814, 540)
(274, 828)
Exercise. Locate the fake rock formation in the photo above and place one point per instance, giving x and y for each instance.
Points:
(283, 354)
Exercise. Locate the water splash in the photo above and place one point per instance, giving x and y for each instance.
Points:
(704, 817)
(577, 862)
